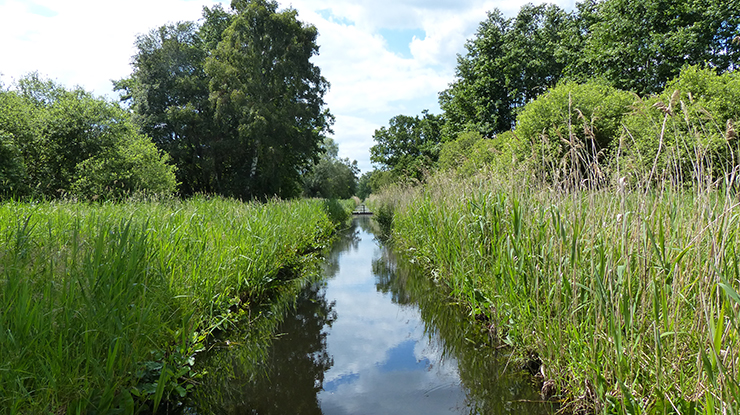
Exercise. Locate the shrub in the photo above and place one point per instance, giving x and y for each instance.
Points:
(134, 165)
(471, 153)
(59, 141)
(570, 128)
(12, 168)
(687, 132)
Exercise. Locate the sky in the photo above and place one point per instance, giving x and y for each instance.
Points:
(382, 57)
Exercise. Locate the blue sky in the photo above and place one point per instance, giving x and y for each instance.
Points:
(382, 57)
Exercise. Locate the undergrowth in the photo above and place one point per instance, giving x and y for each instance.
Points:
(629, 299)
(104, 307)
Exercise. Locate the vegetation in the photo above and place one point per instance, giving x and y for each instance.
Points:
(56, 142)
(332, 177)
(583, 206)
(601, 50)
(235, 101)
(106, 306)
(628, 301)
(409, 147)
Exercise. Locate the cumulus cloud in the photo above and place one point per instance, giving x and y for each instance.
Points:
(382, 349)
(91, 42)
(81, 42)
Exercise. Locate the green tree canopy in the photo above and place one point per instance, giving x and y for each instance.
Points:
(634, 45)
(507, 64)
(268, 96)
(332, 177)
(169, 95)
(639, 45)
(236, 101)
(62, 141)
(409, 146)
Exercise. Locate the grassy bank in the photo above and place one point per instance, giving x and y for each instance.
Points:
(103, 308)
(629, 300)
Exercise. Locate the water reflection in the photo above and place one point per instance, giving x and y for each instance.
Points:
(373, 338)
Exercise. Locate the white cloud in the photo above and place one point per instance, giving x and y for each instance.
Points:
(87, 42)
(91, 42)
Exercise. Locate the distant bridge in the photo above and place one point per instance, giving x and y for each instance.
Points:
(361, 210)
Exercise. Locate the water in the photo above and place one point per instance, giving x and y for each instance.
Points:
(374, 337)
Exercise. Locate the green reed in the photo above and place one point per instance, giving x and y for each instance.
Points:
(629, 299)
(104, 307)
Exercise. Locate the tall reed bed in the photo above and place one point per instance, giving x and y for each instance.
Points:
(103, 307)
(629, 300)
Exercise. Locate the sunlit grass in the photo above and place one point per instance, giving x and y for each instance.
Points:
(104, 306)
(629, 299)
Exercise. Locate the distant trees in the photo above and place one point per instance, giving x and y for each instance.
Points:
(508, 63)
(236, 101)
(55, 142)
(409, 146)
(332, 177)
(561, 89)
(639, 45)
(633, 45)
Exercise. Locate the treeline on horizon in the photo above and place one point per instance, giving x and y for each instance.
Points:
(615, 91)
(229, 106)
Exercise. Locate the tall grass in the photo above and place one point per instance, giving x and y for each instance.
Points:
(104, 307)
(630, 300)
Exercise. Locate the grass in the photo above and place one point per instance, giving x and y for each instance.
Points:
(104, 307)
(628, 298)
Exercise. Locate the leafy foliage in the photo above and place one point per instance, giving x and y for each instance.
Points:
(12, 167)
(687, 133)
(236, 102)
(168, 93)
(409, 146)
(469, 153)
(508, 63)
(332, 177)
(54, 137)
(640, 45)
(633, 45)
(571, 127)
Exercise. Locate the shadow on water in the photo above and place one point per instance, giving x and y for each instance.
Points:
(374, 336)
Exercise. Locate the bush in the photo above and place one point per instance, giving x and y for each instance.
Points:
(687, 132)
(12, 168)
(58, 141)
(471, 153)
(134, 165)
(569, 130)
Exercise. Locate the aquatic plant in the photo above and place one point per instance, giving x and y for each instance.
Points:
(629, 299)
(104, 307)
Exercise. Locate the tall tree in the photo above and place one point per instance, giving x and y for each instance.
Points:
(508, 63)
(409, 146)
(638, 45)
(169, 94)
(268, 98)
(235, 101)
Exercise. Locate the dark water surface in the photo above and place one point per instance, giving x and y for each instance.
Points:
(374, 337)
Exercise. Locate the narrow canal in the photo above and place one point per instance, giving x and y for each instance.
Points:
(373, 337)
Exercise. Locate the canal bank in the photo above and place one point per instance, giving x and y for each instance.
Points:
(372, 337)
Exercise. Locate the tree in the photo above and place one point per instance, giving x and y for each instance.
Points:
(168, 92)
(638, 45)
(235, 101)
(363, 185)
(268, 99)
(54, 136)
(508, 63)
(409, 146)
(332, 177)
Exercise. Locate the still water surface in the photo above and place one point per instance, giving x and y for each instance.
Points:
(374, 337)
